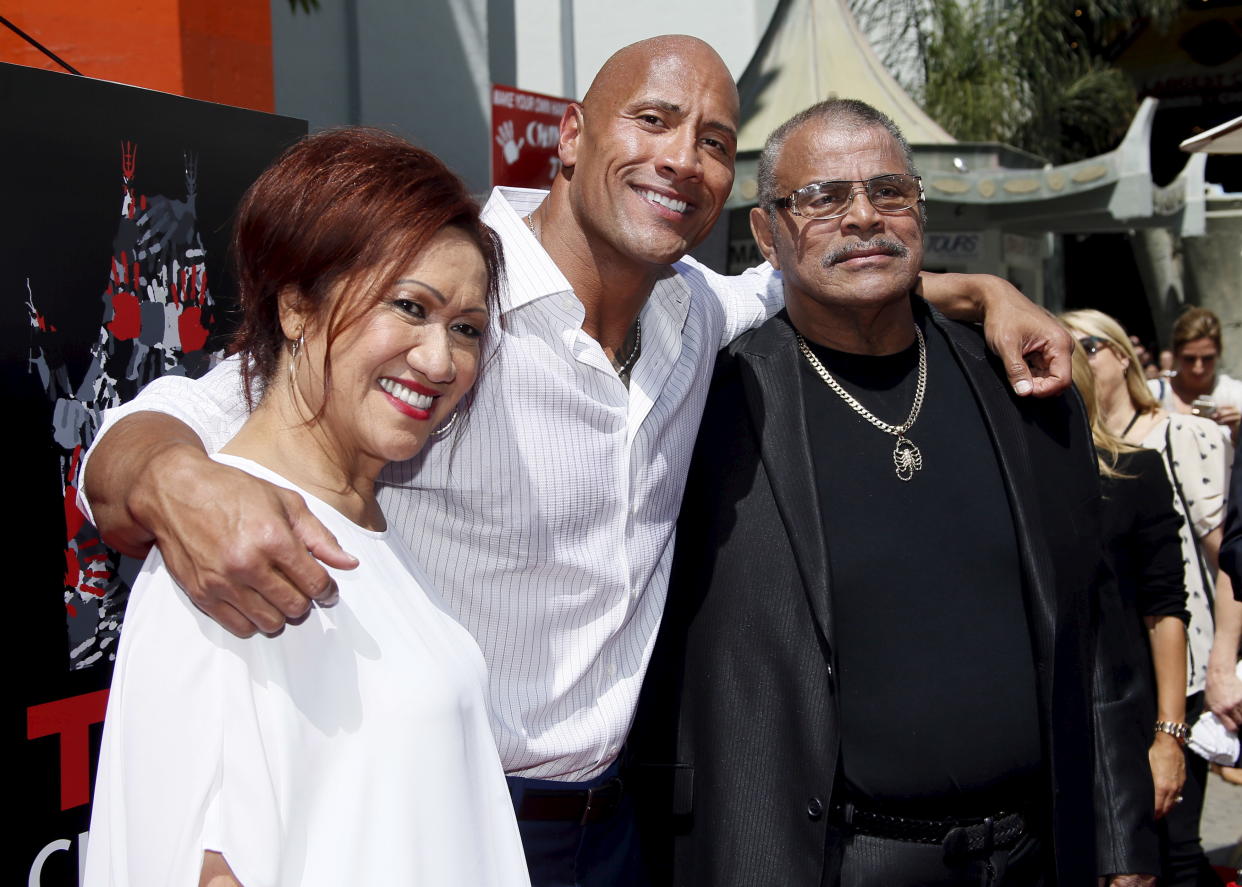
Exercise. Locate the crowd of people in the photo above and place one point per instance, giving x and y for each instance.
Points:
(1194, 455)
(514, 546)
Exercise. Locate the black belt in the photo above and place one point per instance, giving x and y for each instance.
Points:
(959, 836)
(572, 805)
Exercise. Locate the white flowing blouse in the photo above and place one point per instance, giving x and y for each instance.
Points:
(354, 748)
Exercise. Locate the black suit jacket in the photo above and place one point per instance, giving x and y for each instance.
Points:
(734, 751)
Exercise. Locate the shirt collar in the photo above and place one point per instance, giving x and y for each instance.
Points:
(673, 293)
(529, 271)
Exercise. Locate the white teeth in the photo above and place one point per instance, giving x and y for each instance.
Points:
(408, 395)
(678, 206)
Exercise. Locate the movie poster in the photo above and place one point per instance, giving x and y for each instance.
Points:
(115, 212)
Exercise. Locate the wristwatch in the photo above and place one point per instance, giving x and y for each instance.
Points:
(1180, 732)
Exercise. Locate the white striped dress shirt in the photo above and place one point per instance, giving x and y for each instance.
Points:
(547, 518)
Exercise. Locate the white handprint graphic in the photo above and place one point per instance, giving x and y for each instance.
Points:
(504, 138)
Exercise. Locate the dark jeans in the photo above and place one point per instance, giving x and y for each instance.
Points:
(868, 861)
(566, 854)
(1185, 864)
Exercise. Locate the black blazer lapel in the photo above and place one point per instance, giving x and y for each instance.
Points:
(772, 381)
(1005, 426)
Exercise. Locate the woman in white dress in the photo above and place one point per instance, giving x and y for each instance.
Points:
(353, 748)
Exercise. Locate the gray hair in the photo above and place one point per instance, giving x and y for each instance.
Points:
(847, 111)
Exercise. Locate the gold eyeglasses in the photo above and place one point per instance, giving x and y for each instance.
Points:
(828, 200)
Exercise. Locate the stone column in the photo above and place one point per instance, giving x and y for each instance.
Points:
(1213, 274)
(1158, 255)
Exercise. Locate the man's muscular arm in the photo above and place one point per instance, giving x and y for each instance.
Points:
(1223, 693)
(1033, 347)
(241, 547)
(1224, 689)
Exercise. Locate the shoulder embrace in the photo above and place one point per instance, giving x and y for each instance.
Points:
(726, 373)
(969, 341)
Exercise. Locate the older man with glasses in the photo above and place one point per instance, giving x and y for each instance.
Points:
(878, 660)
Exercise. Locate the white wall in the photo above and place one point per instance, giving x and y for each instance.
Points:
(422, 67)
(600, 28)
(733, 27)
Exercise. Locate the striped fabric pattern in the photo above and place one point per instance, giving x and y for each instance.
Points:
(546, 518)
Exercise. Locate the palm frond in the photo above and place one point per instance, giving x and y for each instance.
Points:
(1028, 72)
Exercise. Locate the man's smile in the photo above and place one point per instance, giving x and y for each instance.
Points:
(675, 205)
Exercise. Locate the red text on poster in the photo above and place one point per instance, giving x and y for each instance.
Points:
(525, 130)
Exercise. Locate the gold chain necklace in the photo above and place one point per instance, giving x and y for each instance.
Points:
(906, 456)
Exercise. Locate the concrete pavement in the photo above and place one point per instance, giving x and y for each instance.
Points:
(1221, 826)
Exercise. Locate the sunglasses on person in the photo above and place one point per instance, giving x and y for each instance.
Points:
(829, 200)
(1092, 344)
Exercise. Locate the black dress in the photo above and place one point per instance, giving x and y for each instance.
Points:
(1142, 546)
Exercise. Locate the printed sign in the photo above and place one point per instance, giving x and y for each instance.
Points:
(952, 247)
(113, 268)
(525, 131)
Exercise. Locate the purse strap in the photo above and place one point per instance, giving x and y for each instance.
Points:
(1208, 584)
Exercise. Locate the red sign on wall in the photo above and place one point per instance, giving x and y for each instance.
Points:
(525, 130)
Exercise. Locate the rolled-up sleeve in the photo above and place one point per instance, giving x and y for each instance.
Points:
(747, 299)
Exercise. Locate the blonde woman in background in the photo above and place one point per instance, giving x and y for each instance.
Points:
(1144, 550)
(1196, 459)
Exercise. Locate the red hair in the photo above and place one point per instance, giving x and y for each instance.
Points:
(334, 206)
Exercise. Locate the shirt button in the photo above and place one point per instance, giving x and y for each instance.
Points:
(612, 669)
(814, 808)
(830, 670)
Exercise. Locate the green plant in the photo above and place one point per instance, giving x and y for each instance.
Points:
(1033, 73)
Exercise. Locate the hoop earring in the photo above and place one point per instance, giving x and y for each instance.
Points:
(447, 426)
(295, 348)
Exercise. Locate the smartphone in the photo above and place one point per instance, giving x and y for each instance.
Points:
(1203, 406)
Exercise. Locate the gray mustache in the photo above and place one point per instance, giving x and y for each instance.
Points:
(887, 247)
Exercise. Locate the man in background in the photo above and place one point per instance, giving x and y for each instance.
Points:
(877, 663)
